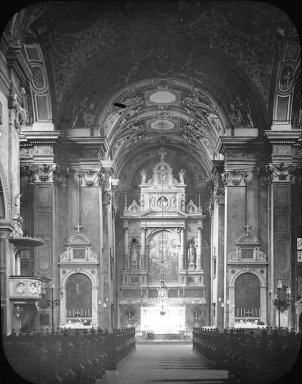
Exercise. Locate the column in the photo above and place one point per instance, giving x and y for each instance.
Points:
(18, 264)
(143, 248)
(107, 284)
(182, 250)
(126, 245)
(199, 250)
(218, 240)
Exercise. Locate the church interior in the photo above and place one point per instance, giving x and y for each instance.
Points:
(150, 167)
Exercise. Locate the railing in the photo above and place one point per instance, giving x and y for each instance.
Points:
(250, 357)
(67, 356)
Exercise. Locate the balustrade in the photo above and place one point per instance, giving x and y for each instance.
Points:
(67, 356)
(249, 356)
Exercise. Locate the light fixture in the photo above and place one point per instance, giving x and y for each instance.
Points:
(162, 290)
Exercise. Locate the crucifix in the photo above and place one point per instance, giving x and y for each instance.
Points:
(248, 314)
(247, 228)
(78, 228)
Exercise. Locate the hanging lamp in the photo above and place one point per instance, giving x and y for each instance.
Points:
(162, 290)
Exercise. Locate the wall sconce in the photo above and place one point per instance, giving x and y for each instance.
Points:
(19, 311)
(228, 301)
(99, 302)
(222, 305)
(219, 299)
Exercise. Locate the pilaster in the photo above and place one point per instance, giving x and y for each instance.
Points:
(281, 173)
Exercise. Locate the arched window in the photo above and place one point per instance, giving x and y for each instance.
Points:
(247, 296)
(78, 296)
(2, 205)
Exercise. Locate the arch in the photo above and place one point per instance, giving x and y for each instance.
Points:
(84, 272)
(247, 295)
(78, 289)
(236, 275)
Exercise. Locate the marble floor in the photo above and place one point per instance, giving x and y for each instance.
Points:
(165, 363)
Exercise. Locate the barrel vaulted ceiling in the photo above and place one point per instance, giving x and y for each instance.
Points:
(150, 73)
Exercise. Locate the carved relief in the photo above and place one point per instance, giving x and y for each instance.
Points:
(43, 173)
(265, 175)
(191, 208)
(236, 177)
(240, 113)
(282, 149)
(282, 172)
(134, 208)
(18, 115)
(60, 175)
(26, 153)
(286, 78)
(78, 251)
(90, 177)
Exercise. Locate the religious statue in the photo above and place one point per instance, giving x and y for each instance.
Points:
(181, 176)
(134, 253)
(144, 175)
(162, 175)
(17, 205)
(191, 255)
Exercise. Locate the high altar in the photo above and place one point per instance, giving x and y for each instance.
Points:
(162, 236)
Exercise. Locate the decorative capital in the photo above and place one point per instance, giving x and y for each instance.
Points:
(282, 172)
(60, 175)
(264, 174)
(39, 173)
(235, 177)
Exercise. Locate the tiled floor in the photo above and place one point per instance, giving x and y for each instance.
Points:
(165, 363)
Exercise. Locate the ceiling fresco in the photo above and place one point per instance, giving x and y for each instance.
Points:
(170, 36)
(144, 74)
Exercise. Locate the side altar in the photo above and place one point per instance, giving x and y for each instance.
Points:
(162, 236)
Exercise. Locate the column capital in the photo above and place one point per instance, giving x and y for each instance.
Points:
(39, 172)
(281, 172)
(235, 177)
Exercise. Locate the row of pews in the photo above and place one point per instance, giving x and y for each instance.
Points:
(67, 356)
(250, 356)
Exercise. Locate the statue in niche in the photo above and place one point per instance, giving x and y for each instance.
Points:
(144, 175)
(181, 176)
(162, 202)
(192, 255)
(152, 201)
(17, 204)
(162, 175)
(134, 254)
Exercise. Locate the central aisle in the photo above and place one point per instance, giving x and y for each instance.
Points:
(165, 363)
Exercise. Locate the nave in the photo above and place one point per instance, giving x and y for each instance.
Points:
(165, 363)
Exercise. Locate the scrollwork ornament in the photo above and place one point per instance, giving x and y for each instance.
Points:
(282, 172)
